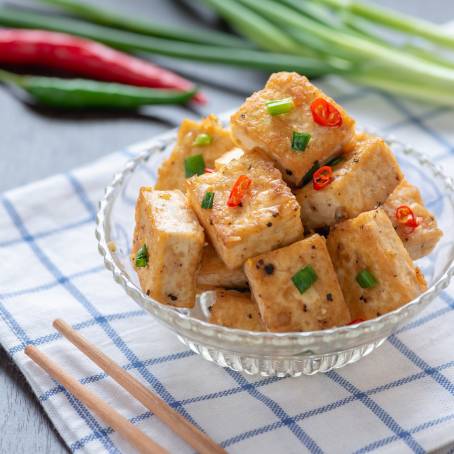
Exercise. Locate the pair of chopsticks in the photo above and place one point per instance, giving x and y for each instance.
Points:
(189, 433)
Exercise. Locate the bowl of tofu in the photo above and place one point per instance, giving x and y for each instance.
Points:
(280, 240)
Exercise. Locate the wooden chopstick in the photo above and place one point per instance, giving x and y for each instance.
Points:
(180, 425)
(108, 414)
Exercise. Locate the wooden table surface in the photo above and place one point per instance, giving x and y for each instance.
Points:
(37, 143)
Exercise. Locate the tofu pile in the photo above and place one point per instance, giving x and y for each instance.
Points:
(295, 221)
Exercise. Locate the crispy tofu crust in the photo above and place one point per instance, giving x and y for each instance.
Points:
(370, 242)
(171, 173)
(235, 310)
(282, 306)
(174, 239)
(421, 240)
(253, 127)
(213, 272)
(362, 182)
(268, 217)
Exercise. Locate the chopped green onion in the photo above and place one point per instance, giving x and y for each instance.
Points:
(142, 257)
(366, 279)
(207, 202)
(194, 165)
(304, 278)
(334, 161)
(279, 106)
(203, 139)
(300, 140)
(308, 177)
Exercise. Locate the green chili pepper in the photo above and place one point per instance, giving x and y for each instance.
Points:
(81, 93)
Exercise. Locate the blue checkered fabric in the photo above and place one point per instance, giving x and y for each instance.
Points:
(398, 399)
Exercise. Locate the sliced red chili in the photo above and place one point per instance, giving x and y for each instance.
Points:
(325, 114)
(208, 170)
(406, 217)
(238, 190)
(354, 322)
(322, 177)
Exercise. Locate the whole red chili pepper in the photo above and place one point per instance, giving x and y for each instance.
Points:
(85, 58)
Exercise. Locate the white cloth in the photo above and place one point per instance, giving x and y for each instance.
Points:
(399, 399)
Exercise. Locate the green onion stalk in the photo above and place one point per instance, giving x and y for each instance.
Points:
(414, 67)
(133, 42)
(102, 16)
(418, 74)
(393, 19)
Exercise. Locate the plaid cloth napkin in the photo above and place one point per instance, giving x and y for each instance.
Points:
(398, 399)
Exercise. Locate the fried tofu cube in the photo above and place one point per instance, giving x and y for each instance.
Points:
(419, 241)
(367, 248)
(268, 216)
(361, 182)
(213, 272)
(174, 240)
(171, 174)
(284, 304)
(235, 310)
(254, 127)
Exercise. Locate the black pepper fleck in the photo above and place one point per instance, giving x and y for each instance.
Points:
(148, 292)
(329, 296)
(304, 308)
(288, 172)
(249, 316)
(269, 224)
(172, 297)
(269, 268)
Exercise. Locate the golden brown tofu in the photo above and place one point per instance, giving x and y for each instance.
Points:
(278, 281)
(267, 217)
(367, 248)
(174, 240)
(421, 240)
(172, 173)
(361, 182)
(235, 310)
(254, 127)
(213, 272)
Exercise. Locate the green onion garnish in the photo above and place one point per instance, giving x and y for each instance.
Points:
(207, 201)
(142, 257)
(304, 278)
(300, 140)
(280, 106)
(308, 177)
(203, 139)
(335, 161)
(194, 165)
(366, 279)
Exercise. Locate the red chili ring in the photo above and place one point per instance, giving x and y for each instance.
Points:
(325, 114)
(322, 177)
(405, 216)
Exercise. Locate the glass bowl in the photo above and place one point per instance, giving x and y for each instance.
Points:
(269, 354)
